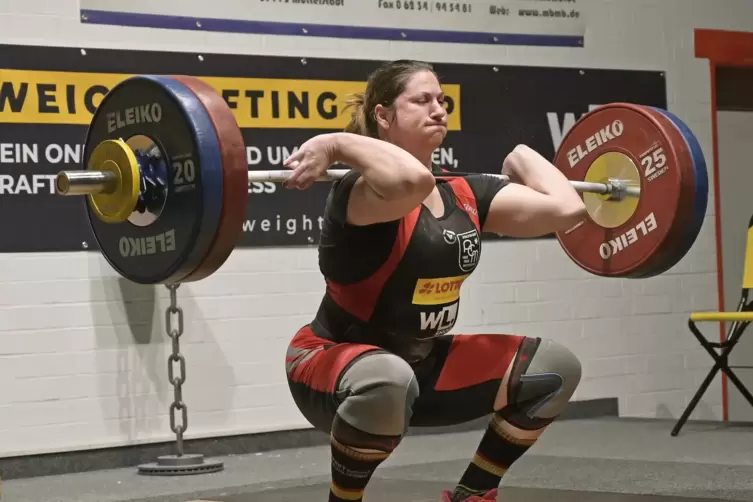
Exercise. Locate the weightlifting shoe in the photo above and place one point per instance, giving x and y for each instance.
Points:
(490, 496)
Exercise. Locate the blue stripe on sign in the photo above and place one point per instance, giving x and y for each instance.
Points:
(324, 30)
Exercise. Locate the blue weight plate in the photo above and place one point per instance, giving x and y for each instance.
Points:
(171, 231)
(701, 192)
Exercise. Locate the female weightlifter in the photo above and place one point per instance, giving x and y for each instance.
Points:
(396, 244)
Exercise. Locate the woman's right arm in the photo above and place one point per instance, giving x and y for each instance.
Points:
(392, 182)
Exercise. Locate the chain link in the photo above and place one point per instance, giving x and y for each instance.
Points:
(176, 356)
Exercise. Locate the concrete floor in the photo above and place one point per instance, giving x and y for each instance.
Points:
(422, 491)
(600, 460)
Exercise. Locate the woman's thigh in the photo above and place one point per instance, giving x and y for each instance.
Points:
(465, 378)
(315, 368)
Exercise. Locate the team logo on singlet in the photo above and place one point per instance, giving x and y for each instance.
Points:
(469, 249)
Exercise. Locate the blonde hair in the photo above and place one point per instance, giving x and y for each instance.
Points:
(383, 86)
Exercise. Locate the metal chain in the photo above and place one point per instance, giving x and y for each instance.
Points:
(176, 356)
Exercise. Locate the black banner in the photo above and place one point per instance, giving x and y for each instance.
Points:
(48, 95)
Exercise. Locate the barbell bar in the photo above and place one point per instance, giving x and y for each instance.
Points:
(103, 182)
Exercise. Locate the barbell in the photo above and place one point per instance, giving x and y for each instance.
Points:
(106, 182)
(165, 179)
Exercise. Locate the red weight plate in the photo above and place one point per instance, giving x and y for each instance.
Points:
(628, 132)
(666, 257)
(235, 171)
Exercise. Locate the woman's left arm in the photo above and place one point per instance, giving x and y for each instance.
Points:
(539, 202)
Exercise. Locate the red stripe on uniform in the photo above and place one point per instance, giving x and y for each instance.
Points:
(475, 359)
(321, 370)
(360, 299)
(465, 198)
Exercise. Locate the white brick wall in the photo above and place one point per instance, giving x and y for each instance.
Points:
(76, 375)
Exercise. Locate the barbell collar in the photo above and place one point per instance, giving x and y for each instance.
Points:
(96, 182)
(618, 189)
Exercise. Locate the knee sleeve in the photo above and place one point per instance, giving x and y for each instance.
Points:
(543, 379)
(377, 393)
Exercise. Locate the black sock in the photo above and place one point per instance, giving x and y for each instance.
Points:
(351, 471)
(497, 451)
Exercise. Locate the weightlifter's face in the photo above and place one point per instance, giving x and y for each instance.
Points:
(419, 120)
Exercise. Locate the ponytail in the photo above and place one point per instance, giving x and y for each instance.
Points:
(357, 124)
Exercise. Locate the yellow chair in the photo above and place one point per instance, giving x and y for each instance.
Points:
(740, 320)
